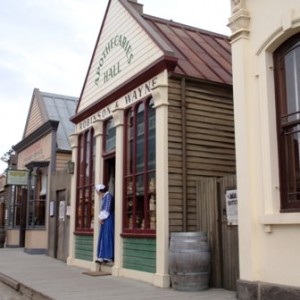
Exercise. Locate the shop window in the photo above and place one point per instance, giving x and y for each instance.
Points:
(85, 182)
(109, 136)
(287, 82)
(18, 195)
(37, 201)
(140, 169)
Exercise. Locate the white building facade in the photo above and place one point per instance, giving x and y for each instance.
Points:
(266, 80)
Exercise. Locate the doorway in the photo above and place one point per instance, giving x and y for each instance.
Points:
(109, 174)
(23, 217)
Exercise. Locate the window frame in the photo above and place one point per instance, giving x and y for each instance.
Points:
(130, 190)
(36, 204)
(284, 125)
(14, 206)
(85, 184)
(109, 126)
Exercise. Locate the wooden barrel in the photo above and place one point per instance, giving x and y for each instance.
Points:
(189, 261)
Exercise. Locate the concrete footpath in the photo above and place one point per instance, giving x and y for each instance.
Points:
(41, 277)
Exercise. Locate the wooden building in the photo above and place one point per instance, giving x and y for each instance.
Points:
(38, 202)
(154, 121)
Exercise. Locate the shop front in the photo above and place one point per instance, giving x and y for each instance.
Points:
(136, 124)
(41, 155)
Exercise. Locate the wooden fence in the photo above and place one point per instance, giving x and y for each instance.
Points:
(223, 237)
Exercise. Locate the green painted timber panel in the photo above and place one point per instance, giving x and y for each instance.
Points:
(84, 247)
(140, 254)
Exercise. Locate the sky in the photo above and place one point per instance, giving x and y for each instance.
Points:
(48, 45)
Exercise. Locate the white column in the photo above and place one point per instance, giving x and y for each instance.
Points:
(247, 142)
(74, 146)
(98, 134)
(118, 116)
(160, 96)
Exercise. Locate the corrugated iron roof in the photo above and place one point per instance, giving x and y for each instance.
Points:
(201, 54)
(61, 108)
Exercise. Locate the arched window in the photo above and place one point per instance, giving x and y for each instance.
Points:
(287, 84)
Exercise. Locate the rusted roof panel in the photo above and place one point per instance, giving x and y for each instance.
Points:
(201, 54)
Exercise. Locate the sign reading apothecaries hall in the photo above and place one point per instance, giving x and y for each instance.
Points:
(103, 72)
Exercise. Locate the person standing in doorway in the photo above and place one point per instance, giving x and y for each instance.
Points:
(105, 249)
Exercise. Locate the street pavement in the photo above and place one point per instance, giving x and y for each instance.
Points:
(7, 293)
(41, 277)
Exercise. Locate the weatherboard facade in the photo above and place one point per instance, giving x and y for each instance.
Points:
(122, 51)
(131, 78)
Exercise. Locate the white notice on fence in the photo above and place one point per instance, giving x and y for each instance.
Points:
(231, 207)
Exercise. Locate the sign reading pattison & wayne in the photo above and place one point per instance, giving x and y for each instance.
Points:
(135, 95)
(103, 73)
(17, 177)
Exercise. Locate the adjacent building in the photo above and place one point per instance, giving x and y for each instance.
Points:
(39, 185)
(266, 71)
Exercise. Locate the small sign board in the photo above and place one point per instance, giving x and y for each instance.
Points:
(62, 209)
(51, 208)
(231, 207)
(17, 177)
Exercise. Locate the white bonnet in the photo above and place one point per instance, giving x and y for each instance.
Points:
(99, 187)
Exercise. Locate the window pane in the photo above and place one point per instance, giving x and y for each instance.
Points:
(87, 156)
(151, 135)
(129, 148)
(140, 222)
(81, 161)
(110, 134)
(292, 142)
(40, 208)
(37, 202)
(292, 77)
(140, 138)
(129, 204)
(85, 185)
(79, 210)
(151, 201)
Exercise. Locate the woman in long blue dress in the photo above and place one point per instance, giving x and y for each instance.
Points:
(105, 249)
